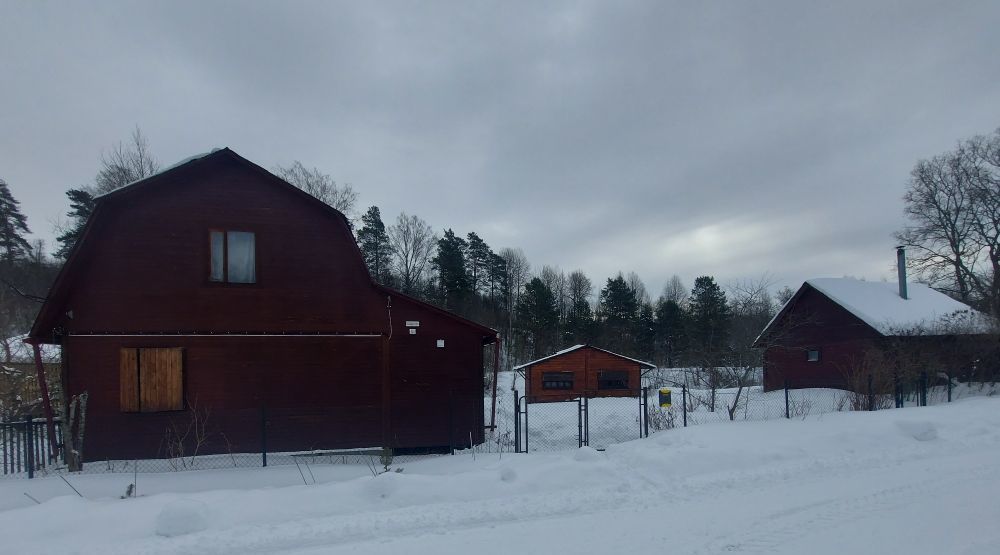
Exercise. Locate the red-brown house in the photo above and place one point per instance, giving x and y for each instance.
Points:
(214, 286)
(822, 334)
(582, 371)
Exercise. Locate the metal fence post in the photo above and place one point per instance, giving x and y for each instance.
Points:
(949, 386)
(684, 404)
(579, 422)
(897, 393)
(517, 422)
(788, 413)
(29, 447)
(526, 430)
(263, 434)
(645, 411)
(923, 389)
(586, 421)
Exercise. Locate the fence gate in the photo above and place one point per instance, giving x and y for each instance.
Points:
(25, 446)
(597, 422)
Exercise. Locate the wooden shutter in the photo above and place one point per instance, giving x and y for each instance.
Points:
(161, 379)
(129, 380)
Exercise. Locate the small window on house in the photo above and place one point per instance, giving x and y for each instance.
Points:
(812, 355)
(151, 380)
(234, 257)
(612, 379)
(557, 380)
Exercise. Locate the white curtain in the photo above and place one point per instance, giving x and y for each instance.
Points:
(242, 261)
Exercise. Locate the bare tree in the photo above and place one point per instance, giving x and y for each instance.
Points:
(752, 308)
(579, 288)
(785, 294)
(125, 163)
(636, 284)
(675, 291)
(555, 280)
(517, 269)
(413, 242)
(320, 185)
(953, 205)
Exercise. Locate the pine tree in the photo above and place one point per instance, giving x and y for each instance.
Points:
(373, 240)
(579, 326)
(710, 317)
(537, 315)
(670, 331)
(13, 226)
(619, 308)
(453, 280)
(645, 332)
(81, 204)
(478, 259)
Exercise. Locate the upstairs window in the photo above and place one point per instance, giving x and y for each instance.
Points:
(557, 380)
(812, 355)
(612, 379)
(234, 257)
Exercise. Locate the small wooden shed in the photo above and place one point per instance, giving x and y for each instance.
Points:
(582, 371)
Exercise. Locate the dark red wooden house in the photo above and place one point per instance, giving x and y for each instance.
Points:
(582, 371)
(215, 286)
(822, 333)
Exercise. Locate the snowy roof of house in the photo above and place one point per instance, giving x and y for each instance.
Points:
(878, 304)
(187, 160)
(576, 347)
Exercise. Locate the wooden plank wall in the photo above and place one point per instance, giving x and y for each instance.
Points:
(585, 364)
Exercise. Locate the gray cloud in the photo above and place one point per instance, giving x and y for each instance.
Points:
(727, 139)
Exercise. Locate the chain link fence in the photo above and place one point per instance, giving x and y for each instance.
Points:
(515, 426)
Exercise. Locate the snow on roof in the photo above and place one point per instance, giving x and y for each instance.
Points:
(575, 347)
(879, 305)
(162, 171)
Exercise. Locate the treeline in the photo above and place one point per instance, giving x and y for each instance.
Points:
(952, 205)
(536, 312)
(539, 312)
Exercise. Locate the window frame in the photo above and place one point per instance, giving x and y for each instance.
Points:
(603, 381)
(809, 355)
(547, 378)
(225, 257)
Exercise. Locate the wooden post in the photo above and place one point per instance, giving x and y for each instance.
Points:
(43, 387)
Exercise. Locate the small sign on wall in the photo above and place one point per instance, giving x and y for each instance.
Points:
(440, 343)
(413, 331)
(413, 323)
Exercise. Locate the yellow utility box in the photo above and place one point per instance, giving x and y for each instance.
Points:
(665, 397)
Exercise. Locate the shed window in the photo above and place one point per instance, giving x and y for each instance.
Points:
(612, 379)
(234, 257)
(812, 355)
(151, 380)
(557, 380)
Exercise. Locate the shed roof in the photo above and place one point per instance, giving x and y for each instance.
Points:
(577, 347)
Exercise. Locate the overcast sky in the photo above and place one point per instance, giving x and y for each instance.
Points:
(731, 139)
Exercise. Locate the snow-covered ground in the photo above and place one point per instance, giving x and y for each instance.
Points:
(914, 480)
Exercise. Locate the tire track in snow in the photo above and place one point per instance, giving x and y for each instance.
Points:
(338, 530)
(767, 533)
